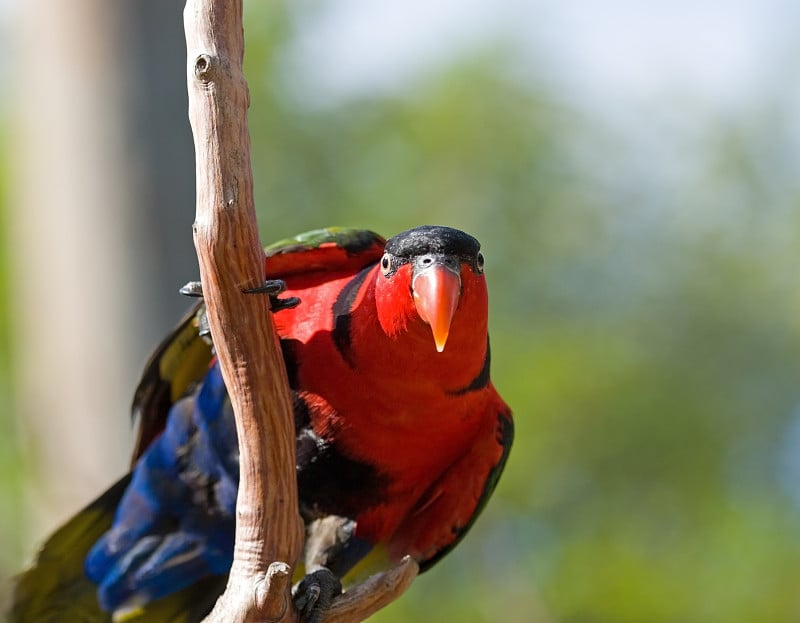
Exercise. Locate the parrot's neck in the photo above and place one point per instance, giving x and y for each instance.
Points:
(406, 355)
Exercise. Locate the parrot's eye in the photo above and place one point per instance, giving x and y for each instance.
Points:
(386, 264)
(479, 261)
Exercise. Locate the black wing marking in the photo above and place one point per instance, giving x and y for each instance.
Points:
(505, 437)
(480, 381)
(341, 315)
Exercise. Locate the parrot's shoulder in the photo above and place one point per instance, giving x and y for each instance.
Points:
(329, 249)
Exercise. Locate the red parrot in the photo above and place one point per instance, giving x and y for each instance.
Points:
(401, 435)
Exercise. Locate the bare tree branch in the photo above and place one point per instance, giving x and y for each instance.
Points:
(374, 593)
(268, 525)
(269, 531)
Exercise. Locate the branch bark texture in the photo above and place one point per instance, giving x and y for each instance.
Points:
(269, 531)
(268, 525)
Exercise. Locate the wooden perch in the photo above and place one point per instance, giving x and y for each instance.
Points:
(269, 531)
(268, 526)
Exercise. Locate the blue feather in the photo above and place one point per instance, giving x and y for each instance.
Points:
(175, 524)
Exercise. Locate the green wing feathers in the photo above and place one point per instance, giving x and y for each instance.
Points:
(329, 250)
(55, 589)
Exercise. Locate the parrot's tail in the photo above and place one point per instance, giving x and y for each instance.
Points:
(56, 589)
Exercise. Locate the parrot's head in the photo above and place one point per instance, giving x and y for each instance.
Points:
(432, 275)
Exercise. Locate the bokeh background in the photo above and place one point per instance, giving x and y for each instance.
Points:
(632, 172)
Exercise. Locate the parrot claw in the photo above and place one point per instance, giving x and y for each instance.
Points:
(193, 289)
(314, 594)
(273, 287)
(276, 304)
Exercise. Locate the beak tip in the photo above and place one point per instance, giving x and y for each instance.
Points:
(440, 336)
(436, 292)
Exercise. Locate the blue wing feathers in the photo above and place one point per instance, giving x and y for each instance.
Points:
(175, 524)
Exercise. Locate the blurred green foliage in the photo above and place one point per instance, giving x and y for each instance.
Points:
(644, 327)
(11, 472)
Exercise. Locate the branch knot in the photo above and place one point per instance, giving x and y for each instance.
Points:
(272, 592)
(204, 66)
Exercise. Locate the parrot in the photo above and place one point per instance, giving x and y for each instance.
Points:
(401, 436)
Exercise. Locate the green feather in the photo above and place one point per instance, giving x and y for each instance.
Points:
(55, 589)
(350, 239)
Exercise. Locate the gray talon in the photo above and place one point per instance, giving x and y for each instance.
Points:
(193, 289)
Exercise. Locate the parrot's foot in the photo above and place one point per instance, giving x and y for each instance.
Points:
(314, 594)
(271, 287)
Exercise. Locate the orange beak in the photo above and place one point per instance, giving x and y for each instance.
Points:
(436, 292)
